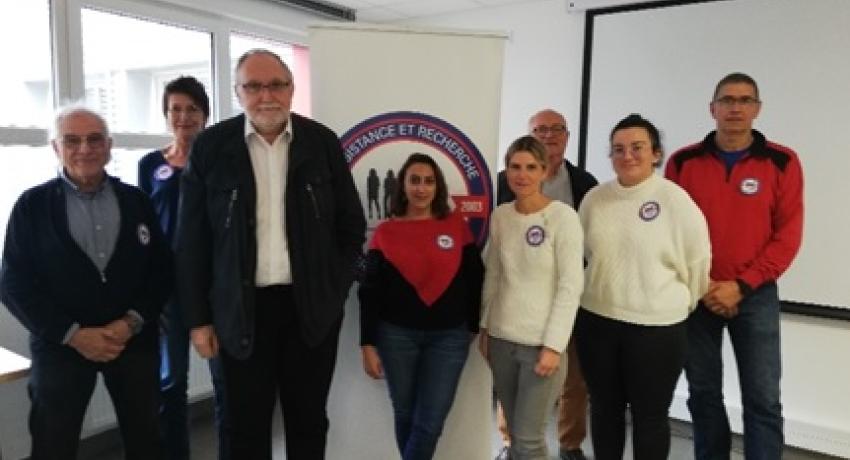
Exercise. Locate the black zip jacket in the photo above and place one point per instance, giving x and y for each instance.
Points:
(216, 235)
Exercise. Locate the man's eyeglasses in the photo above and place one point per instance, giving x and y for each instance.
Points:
(94, 141)
(729, 101)
(274, 87)
(189, 111)
(542, 130)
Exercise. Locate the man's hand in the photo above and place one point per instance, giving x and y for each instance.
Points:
(547, 362)
(723, 298)
(98, 344)
(205, 341)
(120, 330)
(372, 362)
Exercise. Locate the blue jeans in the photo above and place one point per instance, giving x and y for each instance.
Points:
(173, 384)
(422, 368)
(756, 342)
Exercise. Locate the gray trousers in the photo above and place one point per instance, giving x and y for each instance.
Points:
(527, 399)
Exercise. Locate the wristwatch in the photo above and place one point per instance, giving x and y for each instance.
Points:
(134, 323)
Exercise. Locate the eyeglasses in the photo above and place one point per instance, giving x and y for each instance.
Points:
(729, 101)
(274, 87)
(636, 150)
(542, 130)
(94, 141)
(189, 111)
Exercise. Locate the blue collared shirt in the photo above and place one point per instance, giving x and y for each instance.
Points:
(94, 221)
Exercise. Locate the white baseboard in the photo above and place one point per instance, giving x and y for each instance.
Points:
(805, 435)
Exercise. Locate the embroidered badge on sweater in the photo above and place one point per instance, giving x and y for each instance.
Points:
(649, 210)
(750, 186)
(535, 235)
(163, 172)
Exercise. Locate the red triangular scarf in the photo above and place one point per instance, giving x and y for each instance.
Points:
(427, 253)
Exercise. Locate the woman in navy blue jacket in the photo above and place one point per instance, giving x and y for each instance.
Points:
(186, 107)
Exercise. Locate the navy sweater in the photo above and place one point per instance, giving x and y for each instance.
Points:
(49, 283)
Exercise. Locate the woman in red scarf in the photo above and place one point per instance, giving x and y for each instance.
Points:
(420, 302)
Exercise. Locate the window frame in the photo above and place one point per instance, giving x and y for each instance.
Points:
(254, 18)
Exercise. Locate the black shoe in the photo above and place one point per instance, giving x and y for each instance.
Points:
(572, 454)
(504, 454)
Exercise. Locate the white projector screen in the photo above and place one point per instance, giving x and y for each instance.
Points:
(664, 61)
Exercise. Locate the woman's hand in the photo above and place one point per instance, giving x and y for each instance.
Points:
(547, 362)
(372, 362)
(482, 344)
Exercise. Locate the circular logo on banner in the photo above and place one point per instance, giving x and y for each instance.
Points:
(649, 210)
(445, 242)
(535, 235)
(750, 186)
(376, 148)
(144, 234)
(163, 172)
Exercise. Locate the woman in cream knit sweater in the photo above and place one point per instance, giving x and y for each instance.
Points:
(649, 256)
(532, 283)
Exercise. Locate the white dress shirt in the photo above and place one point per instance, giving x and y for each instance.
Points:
(270, 164)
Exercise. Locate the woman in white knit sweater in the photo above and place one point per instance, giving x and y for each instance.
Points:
(649, 256)
(532, 283)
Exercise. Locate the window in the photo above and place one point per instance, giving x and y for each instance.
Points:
(25, 83)
(25, 89)
(125, 83)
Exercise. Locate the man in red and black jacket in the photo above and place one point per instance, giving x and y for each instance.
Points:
(751, 192)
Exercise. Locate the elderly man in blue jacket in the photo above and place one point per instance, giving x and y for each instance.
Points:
(86, 270)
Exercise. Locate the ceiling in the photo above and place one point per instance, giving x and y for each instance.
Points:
(398, 10)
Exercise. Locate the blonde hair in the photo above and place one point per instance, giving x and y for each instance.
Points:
(531, 145)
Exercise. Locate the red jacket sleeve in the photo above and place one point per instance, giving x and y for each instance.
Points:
(787, 223)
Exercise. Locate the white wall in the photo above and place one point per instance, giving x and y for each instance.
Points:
(543, 60)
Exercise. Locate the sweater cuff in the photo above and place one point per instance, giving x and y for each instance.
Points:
(71, 331)
(744, 287)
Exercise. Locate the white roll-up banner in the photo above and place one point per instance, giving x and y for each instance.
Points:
(389, 92)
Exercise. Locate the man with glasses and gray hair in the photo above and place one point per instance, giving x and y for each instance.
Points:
(87, 270)
(567, 183)
(269, 231)
(751, 192)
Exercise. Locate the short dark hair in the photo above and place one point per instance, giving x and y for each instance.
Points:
(190, 86)
(531, 145)
(260, 51)
(440, 206)
(635, 120)
(736, 77)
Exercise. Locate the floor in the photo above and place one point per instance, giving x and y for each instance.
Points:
(204, 444)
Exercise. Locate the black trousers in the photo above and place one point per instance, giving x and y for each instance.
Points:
(632, 365)
(281, 367)
(60, 388)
